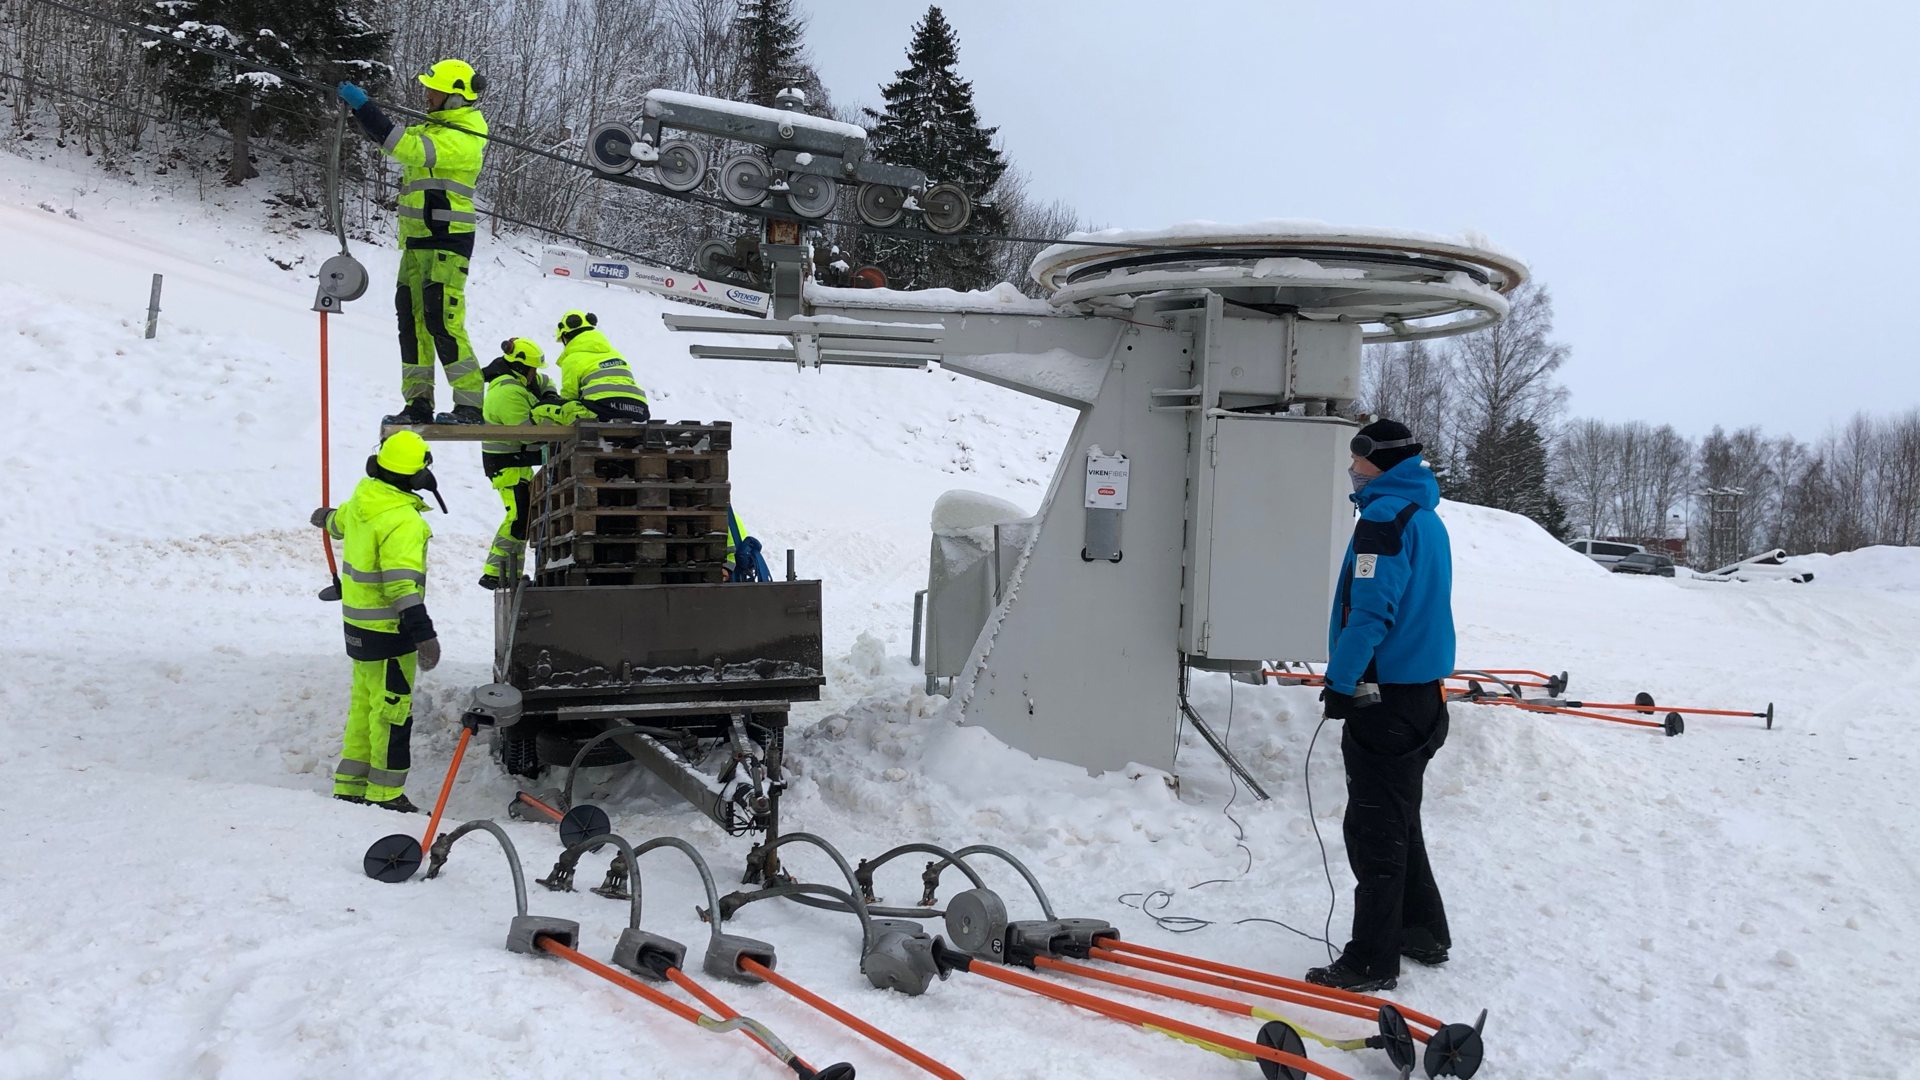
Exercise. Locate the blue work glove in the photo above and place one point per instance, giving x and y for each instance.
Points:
(352, 95)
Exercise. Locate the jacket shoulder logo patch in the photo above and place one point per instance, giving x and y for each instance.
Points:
(1363, 565)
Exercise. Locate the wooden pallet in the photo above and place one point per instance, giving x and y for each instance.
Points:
(552, 497)
(636, 551)
(679, 436)
(574, 463)
(680, 523)
(709, 574)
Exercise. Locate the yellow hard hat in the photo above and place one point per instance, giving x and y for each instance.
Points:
(451, 77)
(404, 453)
(523, 352)
(572, 323)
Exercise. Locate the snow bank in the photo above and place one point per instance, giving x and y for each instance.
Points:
(1880, 568)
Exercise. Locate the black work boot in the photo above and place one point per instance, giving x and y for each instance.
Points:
(418, 411)
(489, 582)
(357, 799)
(399, 804)
(461, 414)
(1421, 947)
(1341, 977)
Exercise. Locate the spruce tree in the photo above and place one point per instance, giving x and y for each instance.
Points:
(773, 55)
(326, 41)
(1510, 470)
(930, 123)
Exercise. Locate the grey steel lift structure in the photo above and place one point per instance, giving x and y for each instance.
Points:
(1199, 513)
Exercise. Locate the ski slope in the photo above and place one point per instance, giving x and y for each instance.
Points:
(183, 900)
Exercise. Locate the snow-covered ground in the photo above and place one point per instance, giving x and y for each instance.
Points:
(182, 899)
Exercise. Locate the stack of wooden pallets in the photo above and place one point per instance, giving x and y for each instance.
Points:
(633, 504)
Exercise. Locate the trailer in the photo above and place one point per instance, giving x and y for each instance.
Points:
(629, 641)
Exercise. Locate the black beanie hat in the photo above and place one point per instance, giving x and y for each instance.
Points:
(1381, 431)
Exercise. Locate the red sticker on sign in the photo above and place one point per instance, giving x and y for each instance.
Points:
(561, 271)
(1106, 491)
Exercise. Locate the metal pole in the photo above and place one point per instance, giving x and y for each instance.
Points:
(153, 308)
(790, 574)
(996, 565)
(919, 611)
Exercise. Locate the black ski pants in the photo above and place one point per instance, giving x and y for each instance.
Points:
(1395, 901)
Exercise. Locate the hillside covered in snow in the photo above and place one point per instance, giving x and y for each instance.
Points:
(184, 900)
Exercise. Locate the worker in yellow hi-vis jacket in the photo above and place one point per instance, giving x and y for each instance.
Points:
(440, 164)
(383, 603)
(518, 393)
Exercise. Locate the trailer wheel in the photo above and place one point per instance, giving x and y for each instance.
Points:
(514, 749)
(557, 750)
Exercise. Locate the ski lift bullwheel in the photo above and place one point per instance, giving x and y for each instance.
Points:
(744, 179)
(681, 165)
(810, 196)
(946, 208)
(880, 205)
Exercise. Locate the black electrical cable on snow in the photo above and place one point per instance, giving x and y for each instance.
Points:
(1151, 903)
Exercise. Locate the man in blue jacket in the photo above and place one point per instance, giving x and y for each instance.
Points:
(1390, 642)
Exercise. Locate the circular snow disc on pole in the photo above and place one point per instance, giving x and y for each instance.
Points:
(1454, 1050)
(1398, 1040)
(392, 859)
(1279, 1035)
(880, 205)
(810, 196)
(610, 149)
(583, 823)
(744, 179)
(946, 208)
(681, 165)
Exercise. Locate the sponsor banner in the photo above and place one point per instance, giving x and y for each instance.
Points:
(572, 263)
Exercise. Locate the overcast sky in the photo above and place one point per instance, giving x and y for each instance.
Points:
(1721, 196)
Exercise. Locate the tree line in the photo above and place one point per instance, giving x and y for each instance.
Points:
(1489, 406)
(554, 68)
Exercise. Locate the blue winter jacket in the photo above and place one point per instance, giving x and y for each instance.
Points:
(1393, 612)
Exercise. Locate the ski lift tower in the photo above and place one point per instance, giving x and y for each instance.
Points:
(1199, 514)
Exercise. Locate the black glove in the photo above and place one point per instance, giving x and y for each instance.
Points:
(319, 517)
(429, 653)
(1336, 705)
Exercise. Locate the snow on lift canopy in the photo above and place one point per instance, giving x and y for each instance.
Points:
(1399, 285)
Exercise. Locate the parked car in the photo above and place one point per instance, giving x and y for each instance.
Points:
(1644, 562)
(1605, 552)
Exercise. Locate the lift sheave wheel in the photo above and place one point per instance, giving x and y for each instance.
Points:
(810, 196)
(681, 166)
(946, 208)
(744, 179)
(610, 149)
(880, 205)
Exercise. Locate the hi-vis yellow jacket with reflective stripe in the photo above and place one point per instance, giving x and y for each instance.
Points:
(510, 402)
(440, 162)
(590, 370)
(383, 569)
